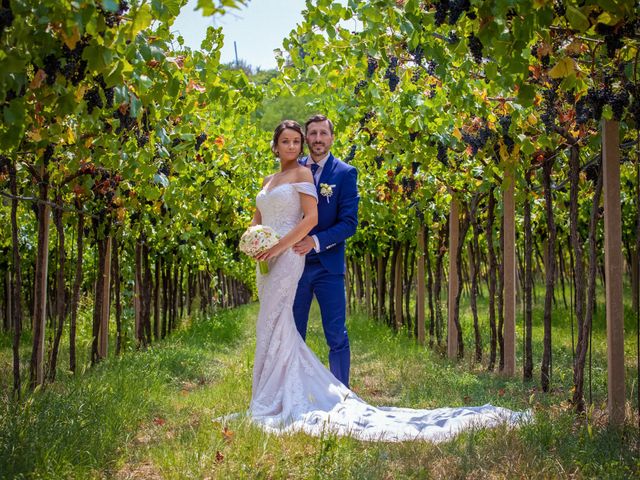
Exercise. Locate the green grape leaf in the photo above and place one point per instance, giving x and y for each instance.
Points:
(577, 18)
(142, 18)
(526, 94)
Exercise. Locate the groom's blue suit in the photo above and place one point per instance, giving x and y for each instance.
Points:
(324, 271)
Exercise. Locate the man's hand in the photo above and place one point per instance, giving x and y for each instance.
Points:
(304, 246)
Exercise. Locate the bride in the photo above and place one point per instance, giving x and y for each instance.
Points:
(292, 390)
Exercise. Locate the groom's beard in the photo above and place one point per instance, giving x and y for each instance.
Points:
(319, 149)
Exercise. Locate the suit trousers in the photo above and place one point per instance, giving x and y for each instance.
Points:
(329, 290)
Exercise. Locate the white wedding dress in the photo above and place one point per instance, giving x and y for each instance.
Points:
(293, 391)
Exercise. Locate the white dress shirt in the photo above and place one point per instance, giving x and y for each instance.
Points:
(316, 179)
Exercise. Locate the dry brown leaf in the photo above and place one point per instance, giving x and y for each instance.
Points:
(38, 78)
(159, 421)
(227, 434)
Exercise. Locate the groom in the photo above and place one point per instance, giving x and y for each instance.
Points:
(324, 247)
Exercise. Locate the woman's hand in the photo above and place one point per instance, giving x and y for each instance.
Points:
(270, 253)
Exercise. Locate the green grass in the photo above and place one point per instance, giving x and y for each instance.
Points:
(151, 414)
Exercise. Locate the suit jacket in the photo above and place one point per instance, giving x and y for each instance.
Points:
(337, 213)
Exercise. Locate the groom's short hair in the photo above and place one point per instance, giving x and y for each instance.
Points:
(318, 118)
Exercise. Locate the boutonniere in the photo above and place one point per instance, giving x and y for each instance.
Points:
(326, 190)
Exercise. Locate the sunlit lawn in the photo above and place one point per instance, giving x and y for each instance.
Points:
(152, 414)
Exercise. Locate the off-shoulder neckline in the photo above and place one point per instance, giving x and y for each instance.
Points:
(264, 189)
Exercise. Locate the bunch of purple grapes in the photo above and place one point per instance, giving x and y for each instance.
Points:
(442, 7)
(453, 9)
(430, 67)
(391, 74)
(456, 9)
(479, 140)
(93, 99)
(417, 54)
(583, 111)
(372, 66)
(443, 154)
(612, 38)
(475, 47)
(618, 101)
(505, 124)
(75, 66)
(112, 19)
(597, 98)
(361, 84)
(142, 138)
(200, 139)
(108, 92)
(126, 121)
(559, 8)
(351, 155)
(164, 169)
(408, 185)
(366, 117)
(453, 38)
(51, 67)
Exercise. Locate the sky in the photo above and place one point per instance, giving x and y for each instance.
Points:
(257, 29)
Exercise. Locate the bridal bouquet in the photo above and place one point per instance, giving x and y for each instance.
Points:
(257, 239)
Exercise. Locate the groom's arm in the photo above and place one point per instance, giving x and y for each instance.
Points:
(347, 220)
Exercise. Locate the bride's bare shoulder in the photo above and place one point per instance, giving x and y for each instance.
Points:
(266, 179)
(303, 174)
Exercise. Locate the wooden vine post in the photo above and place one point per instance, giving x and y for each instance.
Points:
(398, 321)
(421, 286)
(368, 288)
(613, 270)
(454, 228)
(509, 270)
(106, 304)
(40, 295)
(136, 295)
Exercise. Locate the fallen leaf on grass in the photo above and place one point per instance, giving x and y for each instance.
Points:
(159, 421)
(227, 434)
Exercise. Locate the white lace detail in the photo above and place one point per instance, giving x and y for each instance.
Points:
(282, 212)
(293, 391)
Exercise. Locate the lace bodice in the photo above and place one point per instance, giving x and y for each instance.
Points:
(280, 206)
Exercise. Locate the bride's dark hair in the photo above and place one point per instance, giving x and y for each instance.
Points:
(282, 126)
